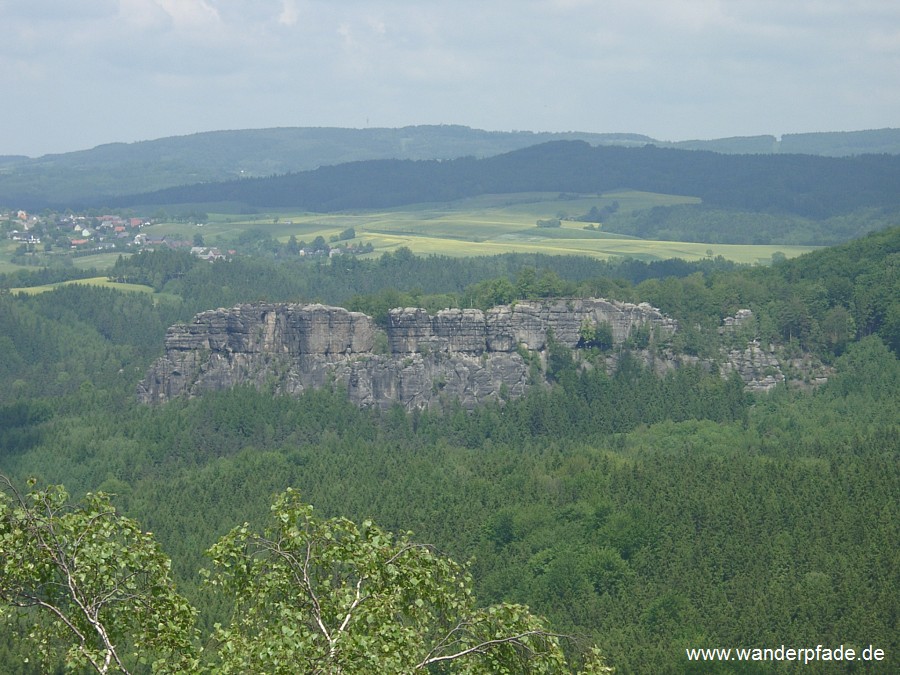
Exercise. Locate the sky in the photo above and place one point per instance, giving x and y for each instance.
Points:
(79, 73)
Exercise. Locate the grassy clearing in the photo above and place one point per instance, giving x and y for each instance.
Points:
(93, 281)
(6, 267)
(100, 261)
(7, 247)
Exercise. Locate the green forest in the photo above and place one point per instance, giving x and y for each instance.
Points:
(634, 515)
(126, 168)
(805, 185)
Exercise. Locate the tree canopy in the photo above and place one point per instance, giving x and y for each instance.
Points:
(309, 595)
(98, 583)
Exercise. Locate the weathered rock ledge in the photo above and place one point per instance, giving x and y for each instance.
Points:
(463, 354)
(421, 360)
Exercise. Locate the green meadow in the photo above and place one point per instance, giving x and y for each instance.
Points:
(93, 281)
(485, 225)
(488, 225)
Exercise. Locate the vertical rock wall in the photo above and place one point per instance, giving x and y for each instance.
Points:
(457, 354)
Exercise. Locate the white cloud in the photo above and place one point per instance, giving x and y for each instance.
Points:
(143, 14)
(190, 14)
(668, 68)
(290, 14)
(885, 40)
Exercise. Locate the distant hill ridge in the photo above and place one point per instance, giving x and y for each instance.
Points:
(806, 185)
(126, 168)
(825, 143)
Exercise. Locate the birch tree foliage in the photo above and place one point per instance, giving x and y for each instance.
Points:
(309, 595)
(96, 586)
(329, 596)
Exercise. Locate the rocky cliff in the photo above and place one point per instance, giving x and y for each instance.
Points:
(420, 361)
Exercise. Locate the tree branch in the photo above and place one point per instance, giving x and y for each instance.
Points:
(483, 647)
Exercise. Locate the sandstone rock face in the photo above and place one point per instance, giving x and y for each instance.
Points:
(457, 354)
(527, 325)
(275, 344)
(464, 355)
(759, 369)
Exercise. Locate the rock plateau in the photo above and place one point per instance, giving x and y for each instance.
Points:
(420, 360)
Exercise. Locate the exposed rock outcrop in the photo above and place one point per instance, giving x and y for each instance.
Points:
(422, 360)
(525, 325)
(759, 369)
(463, 354)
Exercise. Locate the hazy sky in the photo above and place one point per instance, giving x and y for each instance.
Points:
(78, 73)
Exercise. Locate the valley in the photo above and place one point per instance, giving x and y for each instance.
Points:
(659, 421)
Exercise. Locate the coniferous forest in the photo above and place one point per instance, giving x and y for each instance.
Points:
(643, 514)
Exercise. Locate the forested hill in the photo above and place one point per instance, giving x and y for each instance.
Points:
(807, 185)
(124, 168)
(827, 143)
(116, 169)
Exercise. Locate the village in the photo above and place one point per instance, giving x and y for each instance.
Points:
(83, 233)
(42, 239)
(71, 234)
(87, 233)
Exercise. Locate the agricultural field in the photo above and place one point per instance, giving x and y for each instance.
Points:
(485, 225)
(489, 225)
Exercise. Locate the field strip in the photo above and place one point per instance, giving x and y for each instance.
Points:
(598, 248)
(93, 281)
